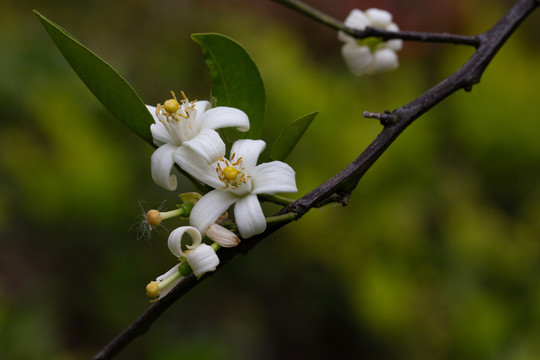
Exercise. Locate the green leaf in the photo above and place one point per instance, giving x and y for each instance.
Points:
(290, 136)
(103, 81)
(236, 81)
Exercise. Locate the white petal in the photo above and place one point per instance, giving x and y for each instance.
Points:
(273, 177)
(207, 144)
(224, 117)
(222, 236)
(207, 210)
(357, 19)
(249, 216)
(197, 166)
(378, 18)
(202, 106)
(175, 239)
(159, 133)
(357, 58)
(202, 259)
(161, 165)
(169, 273)
(384, 60)
(249, 150)
(394, 44)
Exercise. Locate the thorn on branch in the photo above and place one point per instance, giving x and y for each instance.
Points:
(386, 119)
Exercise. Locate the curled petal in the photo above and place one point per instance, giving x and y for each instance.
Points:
(207, 144)
(378, 18)
(249, 150)
(202, 259)
(197, 166)
(161, 165)
(357, 58)
(175, 239)
(273, 177)
(224, 117)
(210, 207)
(384, 60)
(249, 216)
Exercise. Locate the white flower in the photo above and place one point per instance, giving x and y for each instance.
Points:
(190, 124)
(237, 181)
(371, 55)
(201, 257)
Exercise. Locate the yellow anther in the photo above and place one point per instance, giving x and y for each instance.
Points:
(152, 289)
(230, 173)
(171, 106)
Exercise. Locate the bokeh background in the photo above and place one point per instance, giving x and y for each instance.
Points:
(437, 256)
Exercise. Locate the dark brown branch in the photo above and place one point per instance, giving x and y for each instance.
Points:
(415, 36)
(339, 187)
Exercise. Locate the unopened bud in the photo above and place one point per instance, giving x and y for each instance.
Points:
(222, 236)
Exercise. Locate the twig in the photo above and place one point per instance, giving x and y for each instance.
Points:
(372, 32)
(341, 185)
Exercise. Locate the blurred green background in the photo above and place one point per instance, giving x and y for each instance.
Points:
(437, 256)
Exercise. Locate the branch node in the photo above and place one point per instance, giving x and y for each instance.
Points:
(386, 119)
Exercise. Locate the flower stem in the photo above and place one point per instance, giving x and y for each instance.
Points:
(276, 199)
(313, 13)
(169, 280)
(290, 216)
(170, 214)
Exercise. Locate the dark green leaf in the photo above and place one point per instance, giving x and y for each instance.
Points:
(290, 136)
(105, 83)
(236, 81)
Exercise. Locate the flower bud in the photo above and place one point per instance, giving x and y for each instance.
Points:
(202, 259)
(222, 236)
(153, 218)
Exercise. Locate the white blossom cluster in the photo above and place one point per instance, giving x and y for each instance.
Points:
(370, 55)
(185, 133)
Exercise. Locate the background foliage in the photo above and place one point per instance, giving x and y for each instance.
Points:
(436, 256)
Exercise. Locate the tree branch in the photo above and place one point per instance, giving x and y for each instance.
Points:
(339, 187)
(373, 32)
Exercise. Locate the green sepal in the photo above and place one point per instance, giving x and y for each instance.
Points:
(184, 269)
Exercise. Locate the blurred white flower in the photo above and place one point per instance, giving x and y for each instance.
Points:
(370, 55)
